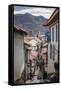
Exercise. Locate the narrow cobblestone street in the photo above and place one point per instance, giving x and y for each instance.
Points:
(35, 77)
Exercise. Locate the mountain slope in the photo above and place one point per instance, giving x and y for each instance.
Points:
(30, 22)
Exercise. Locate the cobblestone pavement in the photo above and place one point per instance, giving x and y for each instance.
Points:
(35, 78)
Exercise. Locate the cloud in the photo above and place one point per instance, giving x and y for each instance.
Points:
(46, 12)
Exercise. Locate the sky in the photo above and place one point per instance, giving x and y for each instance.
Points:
(36, 11)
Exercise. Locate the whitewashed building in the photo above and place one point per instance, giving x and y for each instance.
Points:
(53, 24)
(19, 60)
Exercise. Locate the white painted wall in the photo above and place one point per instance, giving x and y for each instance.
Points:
(18, 55)
(50, 61)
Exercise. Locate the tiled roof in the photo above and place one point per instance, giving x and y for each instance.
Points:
(20, 30)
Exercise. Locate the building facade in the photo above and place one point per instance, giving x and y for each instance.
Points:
(19, 60)
(53, 50)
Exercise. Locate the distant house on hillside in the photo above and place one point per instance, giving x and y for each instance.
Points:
(53, 24)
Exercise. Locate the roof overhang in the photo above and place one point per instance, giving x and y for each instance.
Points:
(21, 31)
(54, 17)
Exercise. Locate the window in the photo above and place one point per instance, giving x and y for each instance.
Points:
(37, 48)
(50, 51)
(56, 33)
(53, 52)
(52, 34)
